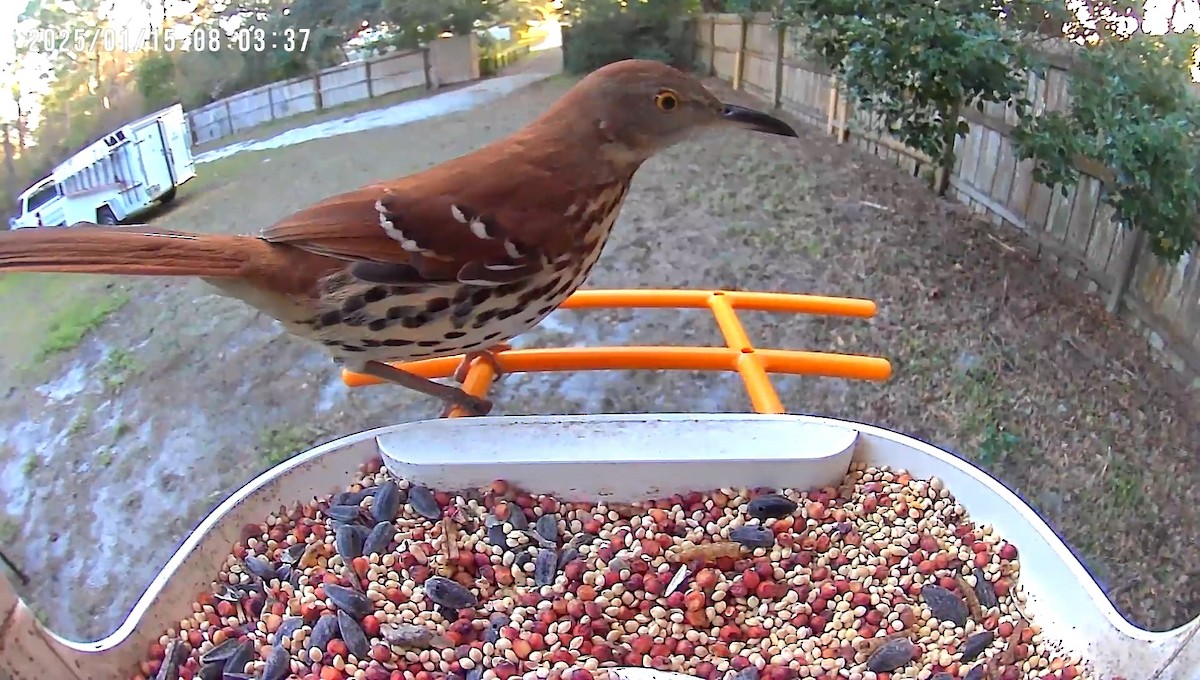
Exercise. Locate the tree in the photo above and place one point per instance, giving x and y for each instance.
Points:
(604, 31)
(916, 64)
(419, 21)
(1132, 109)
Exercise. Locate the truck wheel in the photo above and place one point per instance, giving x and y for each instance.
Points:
(167, 197)
(105, 216)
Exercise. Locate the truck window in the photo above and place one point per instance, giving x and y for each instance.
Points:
(41, 197)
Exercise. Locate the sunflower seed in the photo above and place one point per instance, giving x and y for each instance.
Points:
(770, 505)
(517, 518)
(522, 559)
(243, 655)
(353, 497)
(497, 537)
(350, 601)
(279, 664)
(945, 605)
(353, 635)
(984, 590)
(349, 542)
(261, 567)
(449, 594)
(975, 645)
(325, 630)
(547, 527)
(539, 539)
(495, 624)
(293, 553)
(545, 569)
(287, 629)
(424, 503)
(753, 536)
(891, 656)
(566, 556)
(221, 653)
(678, 580)
(387, 502)
(580, 540)
(379, 539)
(348, 514)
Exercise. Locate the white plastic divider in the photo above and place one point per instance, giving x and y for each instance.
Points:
(620, 458)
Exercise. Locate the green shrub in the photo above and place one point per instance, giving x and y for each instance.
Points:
(604, 31)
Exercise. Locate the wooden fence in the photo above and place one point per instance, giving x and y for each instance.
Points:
(351, 82)
(1076, 233)
(327, 88)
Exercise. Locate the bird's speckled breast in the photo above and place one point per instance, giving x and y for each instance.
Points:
(386, 323)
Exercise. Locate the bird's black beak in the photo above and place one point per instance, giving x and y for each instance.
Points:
(756, 120)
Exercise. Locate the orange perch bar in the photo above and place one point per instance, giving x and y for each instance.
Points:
(740, 356)
(699, 299)
(652, 358)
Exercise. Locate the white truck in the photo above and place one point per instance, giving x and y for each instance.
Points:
(119, 176)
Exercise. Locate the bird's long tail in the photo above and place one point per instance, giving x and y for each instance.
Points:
(136, 250)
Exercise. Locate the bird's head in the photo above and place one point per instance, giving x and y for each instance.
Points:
(639, 107)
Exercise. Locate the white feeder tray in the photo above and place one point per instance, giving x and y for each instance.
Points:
(620, 458)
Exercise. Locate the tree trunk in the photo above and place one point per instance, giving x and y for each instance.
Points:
(21, 132)
(10, 169)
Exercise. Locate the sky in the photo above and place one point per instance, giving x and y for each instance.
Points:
(123, 13)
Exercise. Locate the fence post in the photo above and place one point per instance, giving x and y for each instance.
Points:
(1125, 274)
(712, 43)
(740, 61)
(426, 65)
(370, 88)
(780, 41)
(831, 127)
(271, 99)
(229, 117)
(317, 99)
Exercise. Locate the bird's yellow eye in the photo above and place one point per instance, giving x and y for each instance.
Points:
(666, 100)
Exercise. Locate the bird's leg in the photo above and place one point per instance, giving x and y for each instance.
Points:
(453, 396)
(488, 355)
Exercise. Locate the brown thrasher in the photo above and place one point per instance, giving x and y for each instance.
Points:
(459, 258)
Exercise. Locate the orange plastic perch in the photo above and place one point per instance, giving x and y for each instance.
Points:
(739, 355)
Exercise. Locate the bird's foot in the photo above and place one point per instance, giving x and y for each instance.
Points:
(451, 395)
(488, 355)
(474, 406)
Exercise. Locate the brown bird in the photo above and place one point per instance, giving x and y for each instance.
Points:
(459, 258)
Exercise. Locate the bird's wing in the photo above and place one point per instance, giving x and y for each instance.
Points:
(488, 229)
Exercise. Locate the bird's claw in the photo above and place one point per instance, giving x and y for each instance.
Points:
(474, 406)
(488, 355)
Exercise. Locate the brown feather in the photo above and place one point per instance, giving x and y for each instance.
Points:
(145, 251)
(504, 185)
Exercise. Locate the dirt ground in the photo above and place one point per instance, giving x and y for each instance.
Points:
(171, 401)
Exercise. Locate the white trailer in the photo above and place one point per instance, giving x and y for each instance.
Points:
(117, 177)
